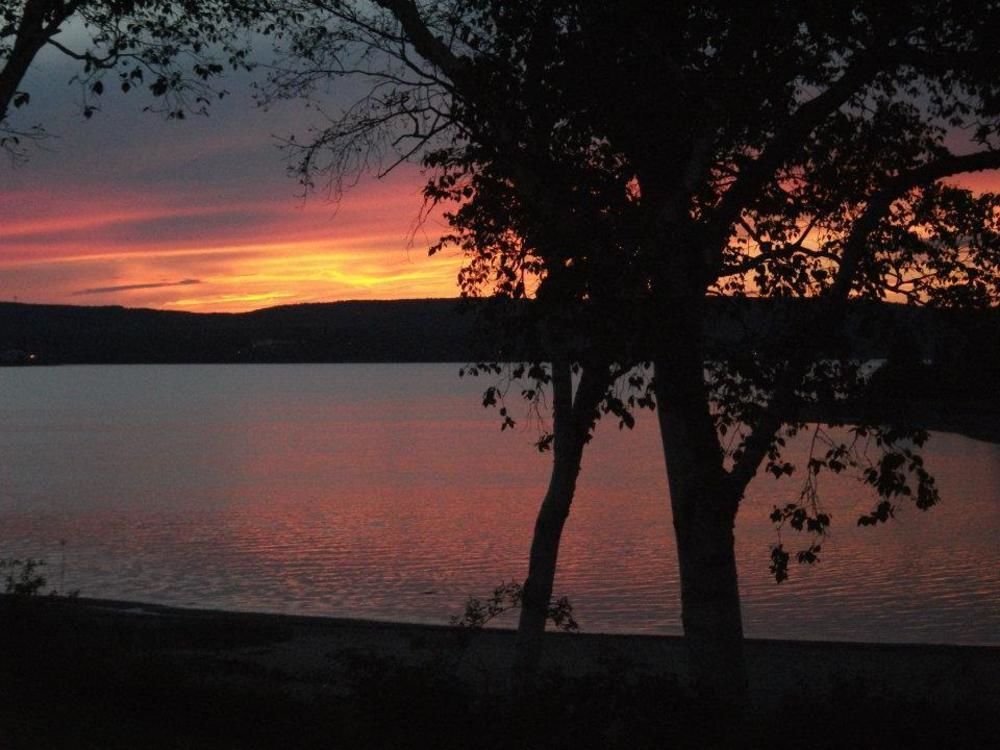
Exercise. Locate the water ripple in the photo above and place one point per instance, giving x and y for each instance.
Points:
(288, 491)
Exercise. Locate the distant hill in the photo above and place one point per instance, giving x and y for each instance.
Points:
(943, 368)
(424, 330)
(432, 330)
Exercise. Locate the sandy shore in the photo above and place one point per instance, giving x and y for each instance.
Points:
(309, 652)
(87, 673)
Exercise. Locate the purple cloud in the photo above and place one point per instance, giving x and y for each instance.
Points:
(130, 287)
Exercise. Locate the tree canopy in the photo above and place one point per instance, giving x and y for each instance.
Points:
(635, 157)
(623, 165)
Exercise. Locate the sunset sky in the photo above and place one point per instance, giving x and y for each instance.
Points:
(129, 209)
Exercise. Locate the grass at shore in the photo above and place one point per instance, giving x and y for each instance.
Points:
(92, 674)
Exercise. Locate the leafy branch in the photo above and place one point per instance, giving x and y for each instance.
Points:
(506, 597)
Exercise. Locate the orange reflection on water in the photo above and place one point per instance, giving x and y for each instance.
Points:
(386, 491)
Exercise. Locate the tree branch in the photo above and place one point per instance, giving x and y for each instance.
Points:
(800, 124)
(423, 40)
(830, 308)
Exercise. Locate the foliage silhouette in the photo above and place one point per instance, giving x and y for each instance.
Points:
(623, 164)
(173, 49)
(21, 577)
(506, 597)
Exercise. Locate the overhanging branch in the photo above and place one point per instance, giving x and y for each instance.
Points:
(831, 306)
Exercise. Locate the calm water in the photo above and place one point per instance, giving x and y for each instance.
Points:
(386, 491)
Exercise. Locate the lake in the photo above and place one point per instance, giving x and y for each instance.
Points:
(387, 491)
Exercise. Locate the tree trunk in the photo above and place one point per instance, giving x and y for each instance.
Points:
(704, 509)
(30, 38)
(571, 424)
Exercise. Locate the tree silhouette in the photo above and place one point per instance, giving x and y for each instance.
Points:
(174, 49)
(625, 164)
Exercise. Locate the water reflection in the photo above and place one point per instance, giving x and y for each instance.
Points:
(386, 491)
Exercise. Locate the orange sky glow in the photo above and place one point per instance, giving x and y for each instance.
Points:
(181, 252)
(139, 253)
(129, 209)
(208, 255)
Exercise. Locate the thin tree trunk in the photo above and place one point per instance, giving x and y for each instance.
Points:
(567, 451)
(704, 509)
(571, 424)
(30, 38)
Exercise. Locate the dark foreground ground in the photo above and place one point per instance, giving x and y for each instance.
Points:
(96, 674)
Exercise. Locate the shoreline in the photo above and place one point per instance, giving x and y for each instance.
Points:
(124, 674)
(304, 649)
(139, 608)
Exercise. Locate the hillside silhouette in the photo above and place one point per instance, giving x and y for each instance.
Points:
(433, 330)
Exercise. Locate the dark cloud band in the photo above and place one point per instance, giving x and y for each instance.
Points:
(130, 287)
